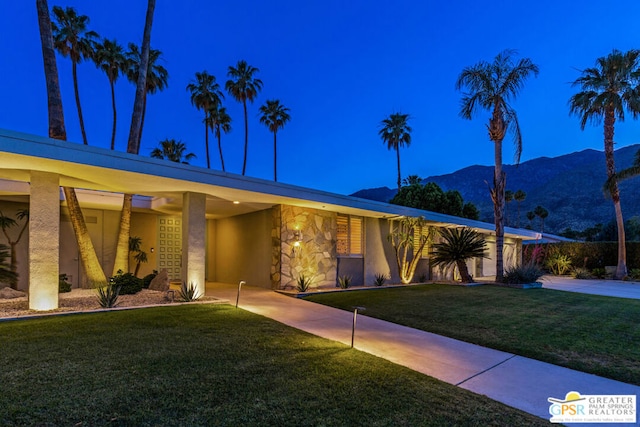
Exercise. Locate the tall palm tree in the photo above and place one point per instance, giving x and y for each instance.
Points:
(519, 197)
(412, 180)
(133, 143)
(219, 121)
(71, 39)
(459, 245)
(109, 57)
(491, 86)
(90, 263)
(274, 116)
(243, 86)
(396, 132)
(172, 150)
(608, 89)
(157, 76)
(205, 94)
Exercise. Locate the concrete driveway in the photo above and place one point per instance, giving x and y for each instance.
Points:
(611, 288)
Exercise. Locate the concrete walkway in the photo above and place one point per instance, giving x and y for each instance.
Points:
(514, 380)
(611, 288)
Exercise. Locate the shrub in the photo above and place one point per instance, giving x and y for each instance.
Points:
(599, 273)
(108, 295)
(128, 283)
(634, 273)
(188, 293)
(146, 280)
(582, 273)
(303, 283)
(558, 263)
(422, 278)
(380, 279)
(526, 273)
(344, 281)
(63, 284)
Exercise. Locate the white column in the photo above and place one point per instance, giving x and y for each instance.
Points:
(193, 239)
(44, 240)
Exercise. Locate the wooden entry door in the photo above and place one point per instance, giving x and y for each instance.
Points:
(170, 246)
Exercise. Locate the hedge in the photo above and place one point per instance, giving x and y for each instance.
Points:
(588, 255)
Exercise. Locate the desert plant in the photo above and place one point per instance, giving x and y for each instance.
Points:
(146, 280)
(558, 264)
(380, 279)
(520, 274)
(344, 281)
(128, 283)
(63, 284)
(303, 283)
(108, 295)
(459, 245)
(599, 273)
(582, 273)
(408, 236)
(188, 293)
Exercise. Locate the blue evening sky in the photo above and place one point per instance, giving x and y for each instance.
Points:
(341, 67)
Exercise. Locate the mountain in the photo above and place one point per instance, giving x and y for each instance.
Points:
(568, 186)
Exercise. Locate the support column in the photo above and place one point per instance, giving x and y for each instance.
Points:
(194, 239)
(44, 240)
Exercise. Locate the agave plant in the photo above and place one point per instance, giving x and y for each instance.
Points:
(380, 279)
(189, 293)
(344, 281)
(303, 283)
(108, 295)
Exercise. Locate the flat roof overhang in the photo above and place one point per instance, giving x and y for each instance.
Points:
(162, 184)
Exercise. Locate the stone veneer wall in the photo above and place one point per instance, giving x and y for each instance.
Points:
(315, 256)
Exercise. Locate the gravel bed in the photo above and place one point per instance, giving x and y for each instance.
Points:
(84, 300)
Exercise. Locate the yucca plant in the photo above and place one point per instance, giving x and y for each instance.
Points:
(380, 279)
(344, 281)
(108, 295)
(188, 293)
(459, 245)
(303, 283)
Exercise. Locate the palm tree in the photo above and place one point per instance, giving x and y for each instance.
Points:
(109, 57)
(243, 86)
(530, 217)
(133, 143)
(412, 180)
(7, 223)
(72, 40)
(219, 121)
(157, 76)
(519, 197)
(396, 132)
(172, 150)
(541, 213)
(205, 94)
(90, 263)
(274, 116)
(459, 245)
(491, 86)
(608, 89)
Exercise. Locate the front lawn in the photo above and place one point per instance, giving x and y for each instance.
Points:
(595, 334)
(207, 365)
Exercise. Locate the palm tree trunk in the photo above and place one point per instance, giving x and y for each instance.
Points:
(609, 129)
(220, 149)
(398, 156)
(206, 137)
(121, 261)
(133, 145)
(465, 277)
(497, 131)
(275, 158)
(74, 69)
(90, 263)
(113, 106)
(144, 112)
(246, 137)
(54, 99)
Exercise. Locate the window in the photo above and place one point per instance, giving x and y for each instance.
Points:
(349, 236)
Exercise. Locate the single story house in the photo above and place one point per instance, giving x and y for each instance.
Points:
(201, 224)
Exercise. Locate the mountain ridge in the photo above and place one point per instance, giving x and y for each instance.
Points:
(569, 186)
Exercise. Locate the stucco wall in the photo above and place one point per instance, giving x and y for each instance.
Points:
(243, 249)
(314, 256)
(143, 225)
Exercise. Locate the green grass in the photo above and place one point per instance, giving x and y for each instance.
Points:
(595, 334)
(209, 365)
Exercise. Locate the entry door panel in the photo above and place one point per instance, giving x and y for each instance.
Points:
(170, 246)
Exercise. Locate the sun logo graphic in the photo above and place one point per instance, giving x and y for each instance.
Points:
(577, 408)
